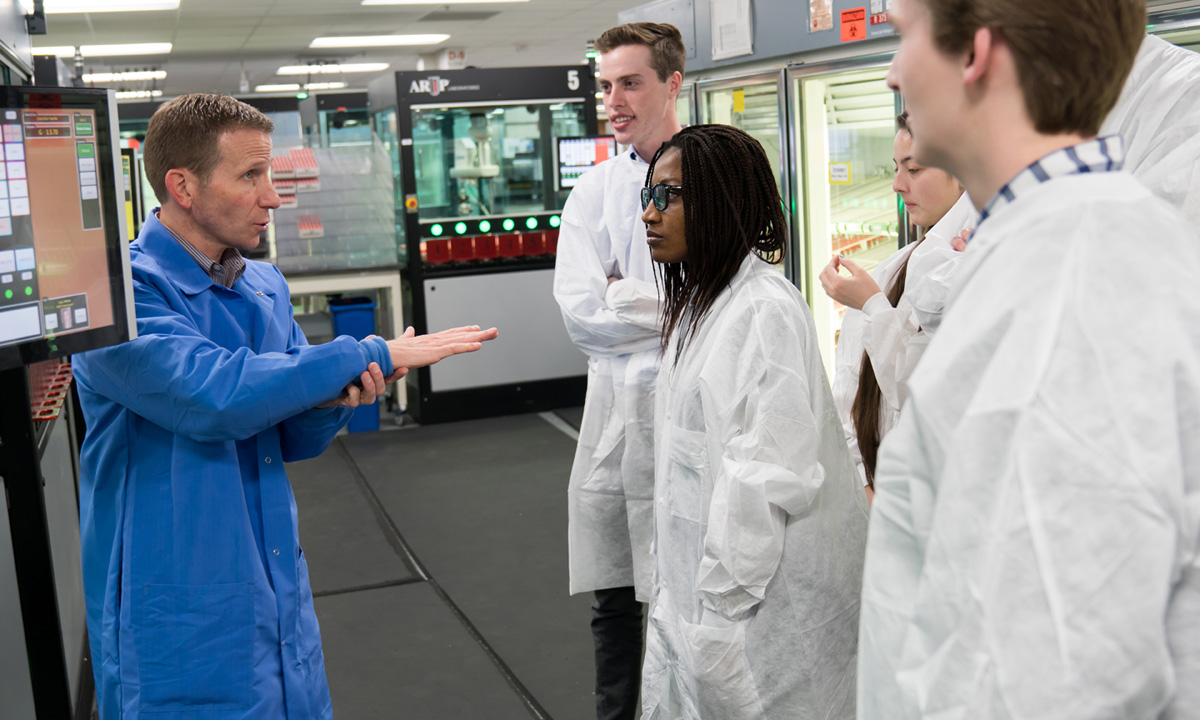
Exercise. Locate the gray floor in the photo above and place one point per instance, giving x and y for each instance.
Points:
(573, 416)
(438, 561)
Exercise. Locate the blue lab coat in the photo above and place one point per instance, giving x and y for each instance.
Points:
(198, 600)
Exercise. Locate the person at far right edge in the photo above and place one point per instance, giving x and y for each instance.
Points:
(1034, 539)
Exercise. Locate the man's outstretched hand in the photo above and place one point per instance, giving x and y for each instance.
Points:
(413, 351)
(410, 351)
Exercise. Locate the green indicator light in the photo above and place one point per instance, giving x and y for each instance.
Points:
(8, 294)
(555, 221)
(508, 224)
(460, 228)
(436, 230)
(485, 226)
(301, 96)
(531, 223)
(28, 290)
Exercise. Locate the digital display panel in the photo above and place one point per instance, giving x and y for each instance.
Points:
(64, 268)
(577, 155)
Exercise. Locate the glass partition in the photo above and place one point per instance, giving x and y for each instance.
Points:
(487, 160)
(845, 134)
(344, 126)
(385, 126)
(683, 107)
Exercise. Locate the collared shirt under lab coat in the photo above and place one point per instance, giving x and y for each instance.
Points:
(893, 336)
(1034, 539)
(610, 513)
(197, 592)
(759, 519)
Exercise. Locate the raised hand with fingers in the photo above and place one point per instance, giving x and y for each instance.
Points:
(853, 291)
(413, 351)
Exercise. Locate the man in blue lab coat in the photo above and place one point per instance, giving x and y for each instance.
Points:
(198, 600)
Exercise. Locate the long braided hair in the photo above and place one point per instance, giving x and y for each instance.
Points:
(731, 207)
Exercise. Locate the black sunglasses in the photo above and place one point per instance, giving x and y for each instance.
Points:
(660, 194)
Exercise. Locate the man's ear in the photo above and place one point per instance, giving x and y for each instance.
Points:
(675, 83)
(980, 56)
(182, 185)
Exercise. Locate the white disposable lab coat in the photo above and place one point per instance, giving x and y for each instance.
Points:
(893, 336)
(1158, 118)
(1158, 115)
(610, 496)
(760, 520)
(1034, 539)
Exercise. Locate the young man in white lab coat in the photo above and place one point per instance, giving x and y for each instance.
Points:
(1036, 530)
(604, 284)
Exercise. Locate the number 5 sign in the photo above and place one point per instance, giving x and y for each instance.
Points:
(572, 79)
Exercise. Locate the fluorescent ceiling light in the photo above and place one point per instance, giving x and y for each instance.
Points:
(93, 6)
(107, 50)
(377, 41)
(436, 2)
(133, 94)
(123, 76)
(331, 69)
(293, 87)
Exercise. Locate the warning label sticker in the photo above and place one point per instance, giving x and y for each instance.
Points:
(854, 24)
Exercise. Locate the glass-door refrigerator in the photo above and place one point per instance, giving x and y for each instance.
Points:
(756, 105)
(844, 125)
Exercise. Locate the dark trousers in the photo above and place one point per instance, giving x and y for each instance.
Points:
(617, 634)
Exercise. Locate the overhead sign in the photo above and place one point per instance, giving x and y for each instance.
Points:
(432, 86)
(489, 84)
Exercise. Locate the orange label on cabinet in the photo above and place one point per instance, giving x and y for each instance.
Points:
(854, 24)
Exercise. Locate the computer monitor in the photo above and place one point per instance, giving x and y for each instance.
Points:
(577, 155)
(65, 283)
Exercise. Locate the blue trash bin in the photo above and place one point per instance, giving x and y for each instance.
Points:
(355, 316)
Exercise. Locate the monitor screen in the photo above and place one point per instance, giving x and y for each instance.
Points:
(64, 261)
(577, 155)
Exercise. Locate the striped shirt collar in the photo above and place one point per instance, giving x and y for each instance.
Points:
(224, 273)
(1104, 154)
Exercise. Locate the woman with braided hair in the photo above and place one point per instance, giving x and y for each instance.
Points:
(760, 525)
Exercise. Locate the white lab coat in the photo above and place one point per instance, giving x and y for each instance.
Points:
(1158, 118)
(1034, 539)
(1158, 115)
(610, 496)
(893, 336)
(759, 519)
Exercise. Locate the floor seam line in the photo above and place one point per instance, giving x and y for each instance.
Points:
(531, 704)
(371, 586)
(561, 424)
